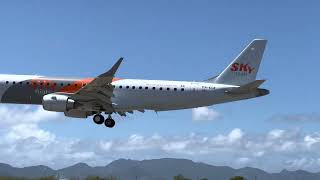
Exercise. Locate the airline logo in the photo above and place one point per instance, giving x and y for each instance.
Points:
(240, 67)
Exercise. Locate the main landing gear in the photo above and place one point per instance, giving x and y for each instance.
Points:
(99, 119)
(109, 122)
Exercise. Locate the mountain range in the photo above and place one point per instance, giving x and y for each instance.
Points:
(156, 169)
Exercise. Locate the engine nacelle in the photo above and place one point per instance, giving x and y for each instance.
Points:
(57, 103)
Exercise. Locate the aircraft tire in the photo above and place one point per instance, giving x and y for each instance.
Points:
(98, 119)
(109, 123)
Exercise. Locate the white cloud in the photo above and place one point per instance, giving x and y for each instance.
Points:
(21, 137)
(312, 140)
(235, 136)
(296, 118)
(24, 143)
(243, 160)
(303, 163)
(276, 134)
(12, 115)
(82, 156)
(204, 114)
(106, 146)
(175, 146)
(21, 122)
(259, 153)
(22, 131)
(235, 148)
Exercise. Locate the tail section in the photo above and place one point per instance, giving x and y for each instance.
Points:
(243, 68)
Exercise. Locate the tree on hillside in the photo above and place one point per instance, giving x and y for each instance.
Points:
(21, 178)
(93, 178)
(180, 177)
(111, 178)
(100, 178)
(48, 178)
(237, 178)
(11, 178)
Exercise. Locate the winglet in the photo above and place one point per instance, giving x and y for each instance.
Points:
(113, 70)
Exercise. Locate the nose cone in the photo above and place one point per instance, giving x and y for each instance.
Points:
(263, 92)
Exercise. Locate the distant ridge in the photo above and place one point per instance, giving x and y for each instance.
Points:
(156, 169)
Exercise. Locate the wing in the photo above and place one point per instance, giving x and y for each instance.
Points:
(123, 113)
(97, 94)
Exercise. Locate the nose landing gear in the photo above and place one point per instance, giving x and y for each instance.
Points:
(99, 119)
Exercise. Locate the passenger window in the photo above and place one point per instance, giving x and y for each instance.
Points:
(120, 87)
(133, 87)
(140, 87)
(182, 89)
(160, 88)
(75, 84)
(154, 88)
(48, 84)
(41, 84)
(168, 89)
(28, 83)
(54, 84)
(68, 84)
(61, 84)
(175, 89)
(20, 83)
(7, 82)
(113, 86)
(146, 87)
(13, 82)
(127, 87)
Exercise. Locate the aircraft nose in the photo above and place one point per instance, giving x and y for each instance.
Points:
(263, 92)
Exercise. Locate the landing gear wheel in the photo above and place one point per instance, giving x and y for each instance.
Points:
(109, 123)
(98, 119)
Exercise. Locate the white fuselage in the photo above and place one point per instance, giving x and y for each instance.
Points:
(128, 94)
(169, 95)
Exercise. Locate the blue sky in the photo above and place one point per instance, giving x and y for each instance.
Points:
(171, 40)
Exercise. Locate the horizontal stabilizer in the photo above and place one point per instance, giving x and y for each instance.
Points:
(247, 87)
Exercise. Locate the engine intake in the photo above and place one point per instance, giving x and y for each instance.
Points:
(57, 102)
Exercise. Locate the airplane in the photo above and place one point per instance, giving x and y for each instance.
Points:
(106, 94)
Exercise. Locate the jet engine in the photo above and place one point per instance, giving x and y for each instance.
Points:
(57, 103)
